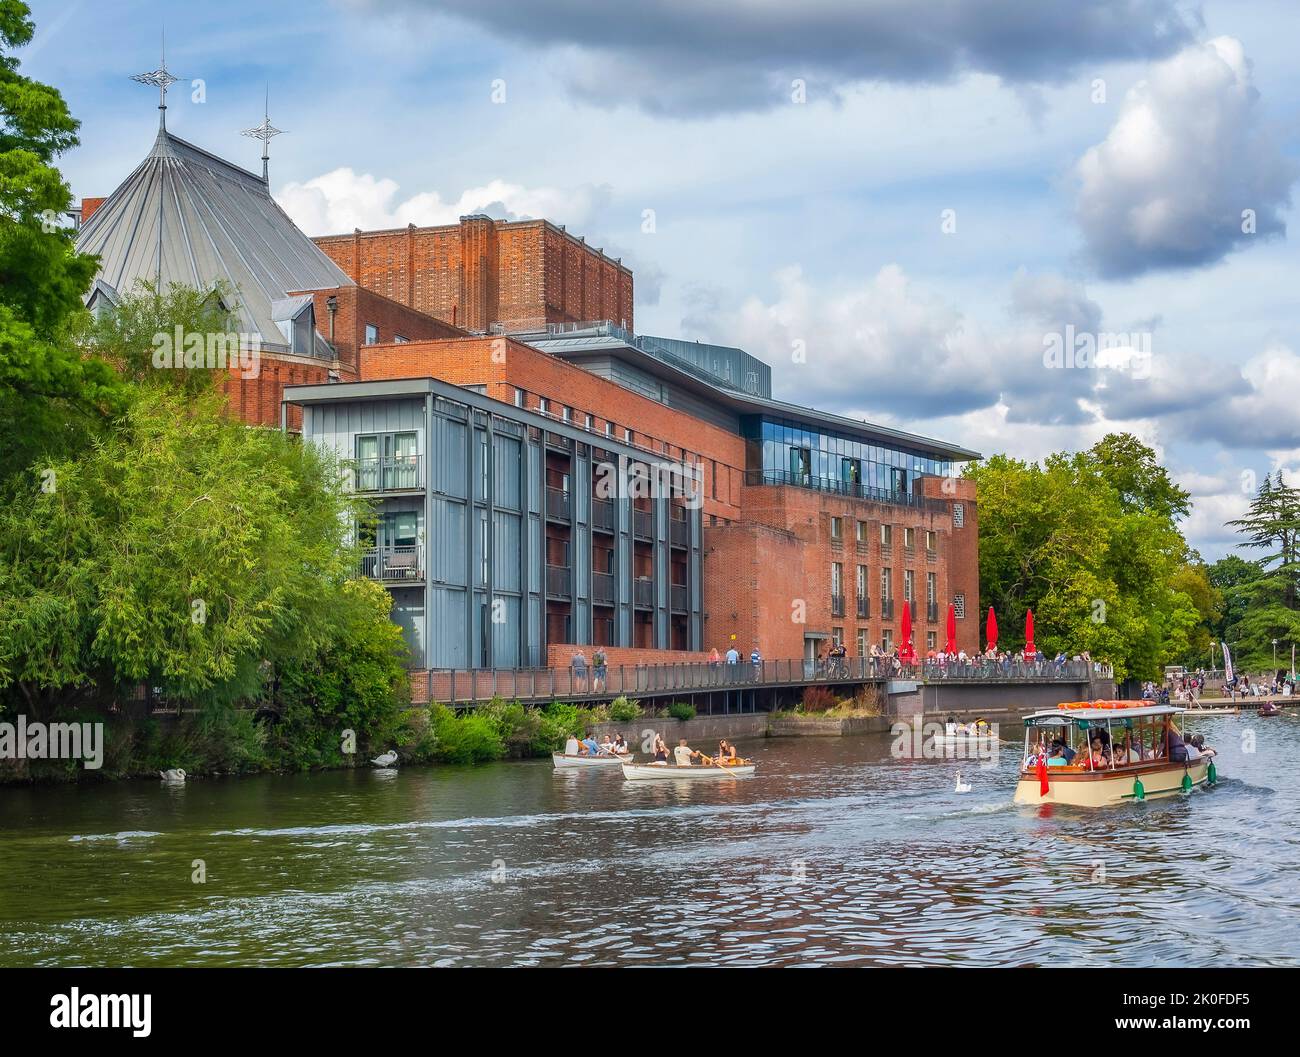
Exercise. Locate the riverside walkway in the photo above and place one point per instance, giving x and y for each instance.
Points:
(737, 685)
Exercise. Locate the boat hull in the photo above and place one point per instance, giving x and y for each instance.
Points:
(563, 762)
(1107, 788)
(971, 741)
(650, 772)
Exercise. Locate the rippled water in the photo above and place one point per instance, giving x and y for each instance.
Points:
(833, 854)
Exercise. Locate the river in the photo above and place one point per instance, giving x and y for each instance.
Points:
(834, 854)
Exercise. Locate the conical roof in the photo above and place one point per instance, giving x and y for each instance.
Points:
(209, 221)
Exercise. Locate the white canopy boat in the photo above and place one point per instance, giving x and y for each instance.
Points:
(639, 772)
(564, 760)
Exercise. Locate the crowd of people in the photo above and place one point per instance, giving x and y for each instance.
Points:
(1097, 751)
(589, 746)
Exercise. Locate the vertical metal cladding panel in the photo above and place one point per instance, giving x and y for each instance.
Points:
(536, 479)
(695, 577)
(537, 549)
(662, 577)
(447, 627)
(506, 572)
(450, 541)
(480, 482)
(581, 486)
(508, 470)
(505, 638)
(537, 633)
(408, 614)
(447, 457)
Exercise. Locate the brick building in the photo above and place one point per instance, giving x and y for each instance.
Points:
(485, 383)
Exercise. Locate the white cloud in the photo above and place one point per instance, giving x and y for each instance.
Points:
(1188, 154)
(341, 200)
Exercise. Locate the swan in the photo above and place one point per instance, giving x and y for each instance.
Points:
(386, 760)
(962, 787)
(175, 774)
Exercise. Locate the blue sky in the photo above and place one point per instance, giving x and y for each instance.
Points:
(938, 198)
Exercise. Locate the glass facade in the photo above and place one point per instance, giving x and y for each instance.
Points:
(783, 452)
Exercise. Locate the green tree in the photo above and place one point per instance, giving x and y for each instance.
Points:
(51, 397)
(1269, 603)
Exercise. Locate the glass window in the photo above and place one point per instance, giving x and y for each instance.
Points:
(837, 528)
(886, 535)
(863, 529)
(372, 334)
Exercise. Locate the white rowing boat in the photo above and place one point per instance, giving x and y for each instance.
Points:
(601, 759)
(639, 772)
(952, 741)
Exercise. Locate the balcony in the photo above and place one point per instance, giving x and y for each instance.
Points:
(559, 504)
(643, 524)
(837, 605)
(602, 515)
(643, 593)
(778, 478)
(392, 564)
(886, 609)
(559, 581)
(864, 607)
(398, 473)
(602, 588)
(679, 532)
(677, 598)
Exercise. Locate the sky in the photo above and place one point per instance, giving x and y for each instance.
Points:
(1016, 227)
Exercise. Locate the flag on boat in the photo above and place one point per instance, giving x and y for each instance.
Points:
(1043, 787)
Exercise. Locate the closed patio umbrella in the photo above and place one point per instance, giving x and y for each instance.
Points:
(950, 631)
(1030, 649)
(991, 630)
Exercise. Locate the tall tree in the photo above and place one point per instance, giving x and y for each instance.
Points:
(1271, 600)
(50, 394)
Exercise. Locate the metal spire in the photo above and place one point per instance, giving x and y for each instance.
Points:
(265, 132)
(161, 79)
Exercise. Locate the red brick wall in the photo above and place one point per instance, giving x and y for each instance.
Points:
(752, 574)
(479, 272)
(257, 400)
(503, 365)
(88, 207)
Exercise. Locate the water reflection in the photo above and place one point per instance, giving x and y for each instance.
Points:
(834, 854)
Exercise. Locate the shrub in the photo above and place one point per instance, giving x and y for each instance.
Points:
(465, 739)
(681, 710)
(818, 699)
(621, 710)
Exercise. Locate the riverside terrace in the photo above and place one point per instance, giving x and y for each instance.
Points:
(749, 687)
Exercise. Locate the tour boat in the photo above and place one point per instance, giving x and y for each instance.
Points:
(600, 759)
(1138, 725)
(638, 772)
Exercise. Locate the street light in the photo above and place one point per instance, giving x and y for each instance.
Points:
(1275, 654)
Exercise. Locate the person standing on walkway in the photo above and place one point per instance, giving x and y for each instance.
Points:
(578, 666)
(733, 664)
(756, 659)
(599, 662)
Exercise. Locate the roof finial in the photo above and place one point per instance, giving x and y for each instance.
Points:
(265, 132)
(161, 79)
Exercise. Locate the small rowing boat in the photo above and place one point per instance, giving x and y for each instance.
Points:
(1195, 711)
(640, 772)
(968, 740)
(563, 760)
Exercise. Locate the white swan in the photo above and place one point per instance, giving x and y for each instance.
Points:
(386, 760)
(962, 787)
(175, 774)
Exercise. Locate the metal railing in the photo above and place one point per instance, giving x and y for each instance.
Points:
(392, 563)
(464, 687)
(837, 605)
(886, 609)
(397, 473)
(864, 607)
(602, 515)
(679, 533)
(932, 612)
(559, 581)
(677, 598)
(845, 488)
(602, 588)
(558, 504)
(643, 593)
(643, 524)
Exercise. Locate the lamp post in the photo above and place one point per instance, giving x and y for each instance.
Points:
(1275, 654)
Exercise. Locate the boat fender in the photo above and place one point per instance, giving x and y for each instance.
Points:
(1139, 791)
(1211, 775)
(1187, 782)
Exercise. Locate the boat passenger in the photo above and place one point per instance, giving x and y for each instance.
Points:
(1067, 753)
(591, 745)
(726, 751)
(1177, 748)
(661, 749)
(606, 745)
(620, 745)
(1199, 741)
(1057, 758)
(1099, 756)
(683, 754)
(571, 746)
(950, 727)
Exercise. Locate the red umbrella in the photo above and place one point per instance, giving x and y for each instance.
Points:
(1029, 634)
(991, 630)
(950, 632)
(905, 652)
